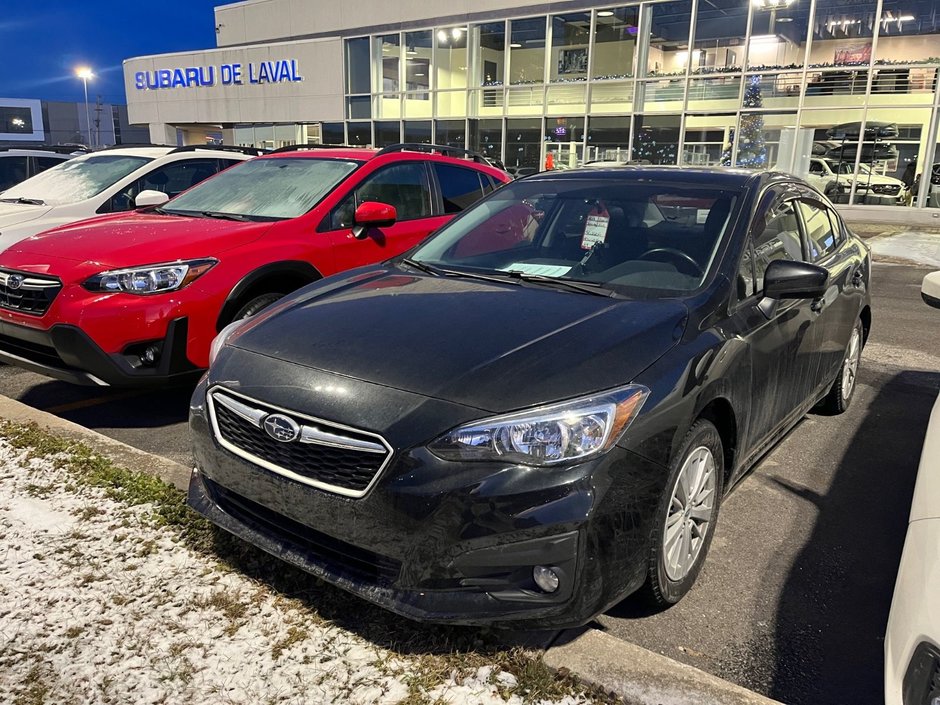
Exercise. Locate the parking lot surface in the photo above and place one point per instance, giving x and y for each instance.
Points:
(795, 594)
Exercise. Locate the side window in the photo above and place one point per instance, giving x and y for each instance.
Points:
(815, 167)
(43, 163)
(821, 236)
(12, 171)
(460, 188)
(404, 186)
(779, 239)
(488, 184)
(171, 179)
(226, 163)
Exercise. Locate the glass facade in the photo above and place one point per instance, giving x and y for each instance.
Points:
(844, 94)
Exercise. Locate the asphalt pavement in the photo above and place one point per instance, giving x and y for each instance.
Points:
(794, 597)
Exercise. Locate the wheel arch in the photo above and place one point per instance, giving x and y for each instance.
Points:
(282, 277)
(865, 316)
(719, 411)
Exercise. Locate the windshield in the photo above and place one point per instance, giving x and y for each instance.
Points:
(275, 188)
(634, 238)
(76, 180)
(846, 168)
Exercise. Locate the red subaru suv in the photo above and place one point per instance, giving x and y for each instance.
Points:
(136, 298)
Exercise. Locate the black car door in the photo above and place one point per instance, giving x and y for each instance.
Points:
(828, 247)
(784, 346)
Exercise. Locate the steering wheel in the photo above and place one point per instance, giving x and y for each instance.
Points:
(681, 258)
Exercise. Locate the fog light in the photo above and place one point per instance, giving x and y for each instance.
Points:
(546, 578)
(150, 355)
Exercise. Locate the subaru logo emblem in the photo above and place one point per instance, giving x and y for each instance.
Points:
(15, 281)
(281, 428)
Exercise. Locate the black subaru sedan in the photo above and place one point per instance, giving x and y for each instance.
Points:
(538, 411)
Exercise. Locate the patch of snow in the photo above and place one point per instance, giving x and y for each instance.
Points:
(920, 247)
(98, 604)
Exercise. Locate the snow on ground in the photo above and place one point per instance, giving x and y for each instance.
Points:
(99, 605)
(920, 247)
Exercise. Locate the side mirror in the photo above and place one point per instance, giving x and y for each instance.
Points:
(373, 214)
(785, 279)
(930, 289)
(150, 197)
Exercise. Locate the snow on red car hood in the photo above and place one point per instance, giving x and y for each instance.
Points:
(132, 239)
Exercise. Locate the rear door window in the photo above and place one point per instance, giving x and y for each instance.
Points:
(822, 236)
(40, 164)
(460, 187)
(171, 179)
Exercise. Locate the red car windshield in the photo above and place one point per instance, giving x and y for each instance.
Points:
(265, 189)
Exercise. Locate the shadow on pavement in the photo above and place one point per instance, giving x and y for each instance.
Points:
(829, 634)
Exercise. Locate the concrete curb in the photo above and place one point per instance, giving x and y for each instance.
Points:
(120, 453)
(639, 676)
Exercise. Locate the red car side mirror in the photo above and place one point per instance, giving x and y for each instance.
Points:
(373, 214)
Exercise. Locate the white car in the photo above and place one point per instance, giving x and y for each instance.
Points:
(19, 163)
(912, 640)
(109, 181)
(832, 177)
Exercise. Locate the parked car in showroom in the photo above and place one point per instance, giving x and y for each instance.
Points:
(136, 298)
(19, 163)
(537, 411)
(834, 178)
(912, 639)
(113, 180)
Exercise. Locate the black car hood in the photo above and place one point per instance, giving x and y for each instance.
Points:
(492, 346)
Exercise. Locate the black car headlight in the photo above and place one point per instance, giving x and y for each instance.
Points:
(570, 431)
(150, 279)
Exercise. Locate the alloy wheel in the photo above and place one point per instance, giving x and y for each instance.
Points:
(691, 509)
(850, 368)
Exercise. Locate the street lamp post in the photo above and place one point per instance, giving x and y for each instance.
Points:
(85, 73)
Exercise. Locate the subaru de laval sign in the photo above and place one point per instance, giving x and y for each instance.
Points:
(284, 71)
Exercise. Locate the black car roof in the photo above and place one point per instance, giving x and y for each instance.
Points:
(727, 178)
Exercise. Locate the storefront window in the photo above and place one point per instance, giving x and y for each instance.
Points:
(908, 50)
(418, 48)
(452, 133)
(387, 51)
(656, 138)
(451, 103)
(524, 143)
(564, 141)
(417, 131)
(357, 66)
(568, 58)
(527, 51)
(359, 107)
(615, 35)
(612, 97)
(842, 34)
(387, 132)
(720, 92)
(486, 137)
(669, 40)
(332, 133)
(608, 139)
(707, 139)
(359, 134)
(450, 58)
(491, 41)
(778, 36)
(720, 29)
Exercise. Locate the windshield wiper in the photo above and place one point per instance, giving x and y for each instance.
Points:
(25, 201)
(226, 216)
(581, 286)
(426, 268)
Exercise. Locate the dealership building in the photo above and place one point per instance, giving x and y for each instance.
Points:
(849, 86)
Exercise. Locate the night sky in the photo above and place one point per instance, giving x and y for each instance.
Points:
(42, 42)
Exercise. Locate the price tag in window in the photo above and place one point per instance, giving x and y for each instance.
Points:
(595, 227)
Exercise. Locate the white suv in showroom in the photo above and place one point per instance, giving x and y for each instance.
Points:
(834, 178)
(110, 181)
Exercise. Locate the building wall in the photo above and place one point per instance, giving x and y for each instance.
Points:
(319, 96)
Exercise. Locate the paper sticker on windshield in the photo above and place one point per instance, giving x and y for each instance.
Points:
(595, 230)
(545, 270)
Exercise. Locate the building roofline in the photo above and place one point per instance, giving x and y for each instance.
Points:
(230, 47)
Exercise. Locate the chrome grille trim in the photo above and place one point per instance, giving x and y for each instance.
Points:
(242, 406)
(32, 283)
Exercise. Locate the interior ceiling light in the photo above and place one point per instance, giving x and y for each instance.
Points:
(515, 45)
(605, 13)
(784, 19)
(441, 35)
(772, 4)
(455, 32)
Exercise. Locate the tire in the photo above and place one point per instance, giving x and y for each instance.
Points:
(255, 305)
(843, 388)
(669, 577)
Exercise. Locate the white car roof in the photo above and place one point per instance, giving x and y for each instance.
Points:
(157, 152)
(30, 152)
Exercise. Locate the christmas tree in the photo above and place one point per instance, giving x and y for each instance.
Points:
(752, 152)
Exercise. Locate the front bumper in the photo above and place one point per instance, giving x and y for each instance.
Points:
(447, 542)
(67, 353)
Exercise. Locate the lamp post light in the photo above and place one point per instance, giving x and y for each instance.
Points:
(84, 73)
